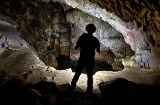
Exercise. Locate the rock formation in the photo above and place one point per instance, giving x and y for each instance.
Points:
(37, 55)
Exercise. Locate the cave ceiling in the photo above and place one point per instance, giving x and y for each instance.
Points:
(137, 20)
(135, 17)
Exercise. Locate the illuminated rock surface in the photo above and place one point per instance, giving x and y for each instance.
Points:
(38, 36)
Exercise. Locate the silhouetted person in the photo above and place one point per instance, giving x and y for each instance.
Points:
(87, 45)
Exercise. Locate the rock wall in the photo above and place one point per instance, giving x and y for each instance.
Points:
(113, 46)
(107, 35)
(42, 25)
(138, 21)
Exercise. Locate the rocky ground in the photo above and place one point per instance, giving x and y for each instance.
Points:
(25, 80)
(118, 92)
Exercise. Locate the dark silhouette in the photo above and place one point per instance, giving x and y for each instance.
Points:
(87, 45)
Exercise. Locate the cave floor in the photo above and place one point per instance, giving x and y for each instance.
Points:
(135, 75)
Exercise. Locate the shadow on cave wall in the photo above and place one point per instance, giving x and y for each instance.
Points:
(64, 62)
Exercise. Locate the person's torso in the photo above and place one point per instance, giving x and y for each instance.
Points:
(87, 46)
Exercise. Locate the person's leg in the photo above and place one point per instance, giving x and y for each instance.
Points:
(90, 78)
(78, 72)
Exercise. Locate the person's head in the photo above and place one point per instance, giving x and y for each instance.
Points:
(90, 28)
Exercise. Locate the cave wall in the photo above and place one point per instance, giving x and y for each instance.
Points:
(17, 58)
(113, 47)
(24, 78)
(138, 21)
(42, 25)
(107, 35)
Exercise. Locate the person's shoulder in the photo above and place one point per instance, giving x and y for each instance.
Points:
(82, 37)
(95, 38)
(84, 34)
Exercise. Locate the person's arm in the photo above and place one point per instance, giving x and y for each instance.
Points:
(77, 46)
(98, 49)
(78, 43)
(98, 46)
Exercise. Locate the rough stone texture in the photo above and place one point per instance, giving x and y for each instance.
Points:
(138, 21)
(118, 92)
(50, 35)
(113, 45)
(108, 36)
(106, 54)
(26, 79)
(42, 25)
(18, 59)
(22, 62)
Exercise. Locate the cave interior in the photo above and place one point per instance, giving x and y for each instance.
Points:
(38, 57)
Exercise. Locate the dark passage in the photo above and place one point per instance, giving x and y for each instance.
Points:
(65, 62)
